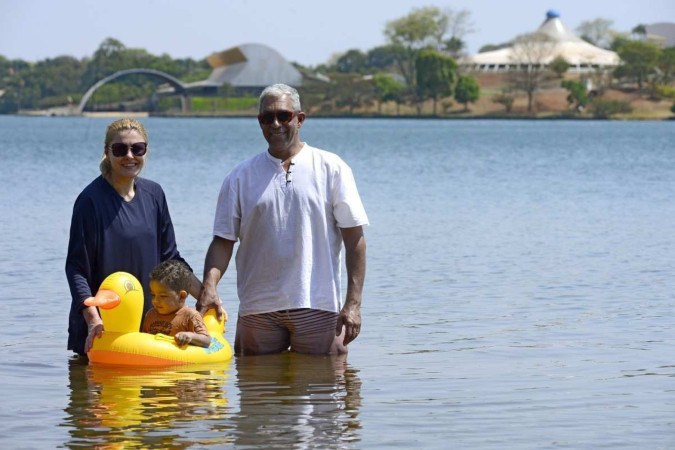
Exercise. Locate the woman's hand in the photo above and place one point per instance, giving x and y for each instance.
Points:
(94, 326)
(95, 331)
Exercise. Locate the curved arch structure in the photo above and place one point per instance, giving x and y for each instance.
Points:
(174, 82)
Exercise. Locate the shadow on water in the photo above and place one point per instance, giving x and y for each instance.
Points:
(284, 400)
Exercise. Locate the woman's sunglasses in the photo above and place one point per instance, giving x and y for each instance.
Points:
(283, 117)
(119, 149)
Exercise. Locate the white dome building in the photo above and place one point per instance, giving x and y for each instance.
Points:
(556, 40)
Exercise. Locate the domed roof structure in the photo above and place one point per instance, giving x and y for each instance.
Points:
(248, 66)
(557, 40)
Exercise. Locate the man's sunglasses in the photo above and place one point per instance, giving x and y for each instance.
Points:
(283, 117)
(138, 149)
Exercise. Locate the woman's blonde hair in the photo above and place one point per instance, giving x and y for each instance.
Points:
(114, 128)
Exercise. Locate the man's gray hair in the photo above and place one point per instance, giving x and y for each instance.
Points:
(279, 90)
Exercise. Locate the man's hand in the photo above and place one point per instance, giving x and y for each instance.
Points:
(350, 318)
(209, 299)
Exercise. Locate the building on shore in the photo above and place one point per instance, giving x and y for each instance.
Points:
(551, 40)
(662, 33)
(246, 67)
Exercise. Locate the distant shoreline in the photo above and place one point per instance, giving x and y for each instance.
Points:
(543, 116)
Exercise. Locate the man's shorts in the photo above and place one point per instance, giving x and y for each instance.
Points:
(309, 331)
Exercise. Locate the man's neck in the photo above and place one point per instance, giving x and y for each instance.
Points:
(286, 154)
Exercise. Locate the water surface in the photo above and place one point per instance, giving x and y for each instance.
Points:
(520, 292)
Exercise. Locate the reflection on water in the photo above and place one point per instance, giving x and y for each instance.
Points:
(306, 401)
(142, 407)
(288, 399)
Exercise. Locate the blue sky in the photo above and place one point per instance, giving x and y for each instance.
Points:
(304, 31)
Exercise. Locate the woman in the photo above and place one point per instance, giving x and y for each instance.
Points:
(120, 222)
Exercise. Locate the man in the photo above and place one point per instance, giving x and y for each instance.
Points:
(291, 208)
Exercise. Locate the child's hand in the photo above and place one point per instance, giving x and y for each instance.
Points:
(183, 338)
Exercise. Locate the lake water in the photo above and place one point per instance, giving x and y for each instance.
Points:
(520, 292)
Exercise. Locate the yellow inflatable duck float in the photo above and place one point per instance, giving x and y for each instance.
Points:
(120, 302)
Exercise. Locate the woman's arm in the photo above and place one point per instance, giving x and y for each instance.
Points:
(94, 326)
(82, 247)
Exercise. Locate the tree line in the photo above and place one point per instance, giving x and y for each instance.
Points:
(416, 65)
(64, 79)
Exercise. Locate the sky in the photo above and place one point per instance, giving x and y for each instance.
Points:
(308, 32)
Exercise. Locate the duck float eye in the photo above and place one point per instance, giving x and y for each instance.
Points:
(129, 285)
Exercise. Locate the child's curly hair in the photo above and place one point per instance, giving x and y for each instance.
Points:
(172, 274)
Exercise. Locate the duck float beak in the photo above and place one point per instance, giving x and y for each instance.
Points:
(104, 298)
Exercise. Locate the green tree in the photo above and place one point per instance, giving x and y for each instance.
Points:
(454, 46)
(383, 57)
(353, 61)
(467, 91)
(12, 82)
(192, 70)
(435, 76)
(112, 56)
(351, 91)
(61, 80)
(559, 66)
(666, 64)
(618, 41)
(639, 60)
(426, 27)
(59, 76)
(387, 89)
(640, 32)
(578, 96)
(410, 34)
(107, 59)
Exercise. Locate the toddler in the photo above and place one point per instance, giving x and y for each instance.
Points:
(169, 283)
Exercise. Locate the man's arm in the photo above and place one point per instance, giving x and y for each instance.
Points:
(195, 286)
(217, 259)
(355, 258)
